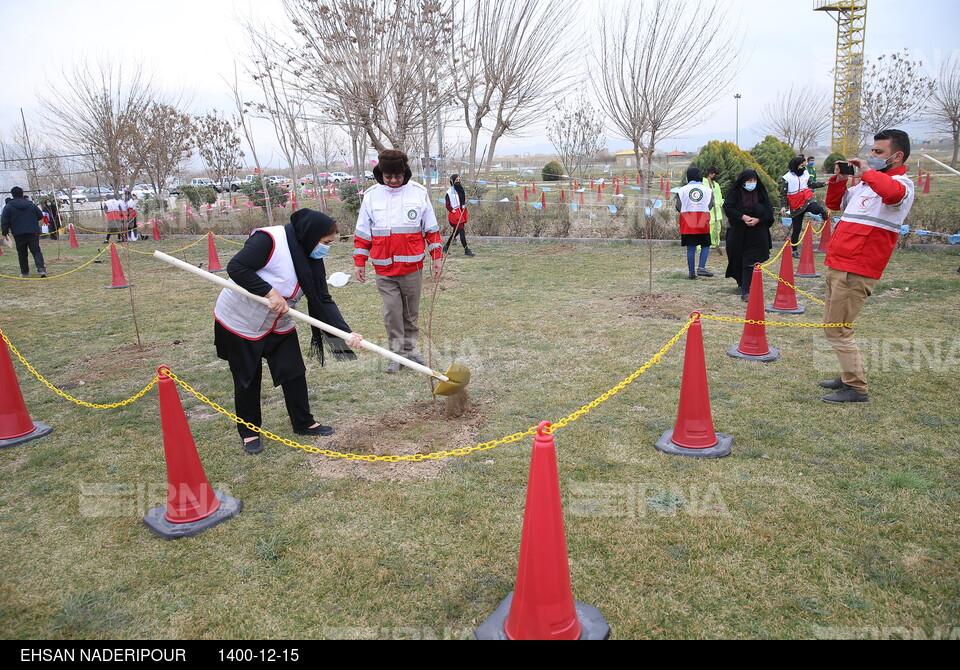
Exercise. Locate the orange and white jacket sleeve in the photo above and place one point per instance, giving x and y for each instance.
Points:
(431, 231)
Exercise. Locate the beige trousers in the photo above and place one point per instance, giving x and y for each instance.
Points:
(401, 310)
(846, 294)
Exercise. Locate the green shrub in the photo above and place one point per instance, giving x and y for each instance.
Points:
(198, 197)
(829, 163)
(350, 196)
(254, 191)
(774, 156)
(730, 160)
(552, 171)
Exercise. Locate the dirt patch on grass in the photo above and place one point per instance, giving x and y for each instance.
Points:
(418, 429)
(650, 306)
(446, 283)
(114, 362)
(554, 250)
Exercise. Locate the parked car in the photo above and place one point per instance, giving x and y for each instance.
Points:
(280, 180)
(99, 193)
(337, 177)
(230, 184)
(62, 198)
(205, 182)
(368, 175)
(143, 191)
(79, 194)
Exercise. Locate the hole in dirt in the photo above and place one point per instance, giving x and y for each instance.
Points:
(652, 306)
(418, 429)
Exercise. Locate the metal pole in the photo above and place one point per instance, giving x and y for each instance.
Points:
(737, 97)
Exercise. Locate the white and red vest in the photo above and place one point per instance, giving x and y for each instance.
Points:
(250, 319)
(116, 209)
(798, 191)
(873, 212)
(457, 213)
(396, 229)
(694, 208)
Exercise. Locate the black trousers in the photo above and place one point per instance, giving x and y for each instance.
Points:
(813, 207)
(459, 233)
(247, 403)
(29, 242)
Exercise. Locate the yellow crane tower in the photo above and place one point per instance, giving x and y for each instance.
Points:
(851, 18)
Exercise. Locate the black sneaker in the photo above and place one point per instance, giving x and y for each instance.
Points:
(745, 297)
(43, 273)
(832, 384)
(253, 447)
(467, 252)
(416, 358)
(847, 394)
(704, 272)
(796, 254)
(324, 431)
(24, 275)
(691, 276)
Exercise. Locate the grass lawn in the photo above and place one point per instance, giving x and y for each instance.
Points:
(824, 521)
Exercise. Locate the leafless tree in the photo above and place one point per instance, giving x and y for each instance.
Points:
(894, 92)
(652, 79)
(215, 137)
(799, 117)
(576, 132)
(945, 102)
(163, 142)
(243, 115)
(99, 114)
(527, 47)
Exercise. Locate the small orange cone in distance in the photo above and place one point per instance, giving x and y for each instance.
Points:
(119, 280)
(807, 267)
(213, 260)
(786, 300)
(16, 427)
(73, 238)
(693, 434)
(193, 506)
(156, 229)
(753, 343)
(542, 606)
(926, 184)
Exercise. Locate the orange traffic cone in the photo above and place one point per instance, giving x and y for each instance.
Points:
(193, 506)
(786, 300)
(293, 202)
(542, 606)
(213, 260)
(693, 435)
(525, 194)
(73, 237)
(807, 268)
(16, 427)
(517, 198)
(825, 236)
(599, 193)
(581, 198)
(618, 190)
(119, 280)
(926, 184)
(543, 199)
(156, 229)
(563, 195)
(753, 343)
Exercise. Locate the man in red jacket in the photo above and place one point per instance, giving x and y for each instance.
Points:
(860, 249)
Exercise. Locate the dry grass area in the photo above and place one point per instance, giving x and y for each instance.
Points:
(824, 521)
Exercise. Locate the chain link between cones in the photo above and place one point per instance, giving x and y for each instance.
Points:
(67, 396)
(798, 290)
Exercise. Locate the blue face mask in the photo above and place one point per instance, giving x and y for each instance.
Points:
(320, 251)
(750, 185)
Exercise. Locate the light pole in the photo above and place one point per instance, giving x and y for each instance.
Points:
(737, 97)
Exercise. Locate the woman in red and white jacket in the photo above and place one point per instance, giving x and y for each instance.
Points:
(457, 215)
(796, 199)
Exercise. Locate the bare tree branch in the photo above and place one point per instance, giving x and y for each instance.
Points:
(799, 117)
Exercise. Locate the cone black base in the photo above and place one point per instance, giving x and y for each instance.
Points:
(157, 522)
(719, 450)
(813, 276)
(592, 624)
(799, 310)
(124, 286)
(773, 355)
(39, 430)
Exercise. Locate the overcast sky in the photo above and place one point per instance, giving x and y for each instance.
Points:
(192, 44)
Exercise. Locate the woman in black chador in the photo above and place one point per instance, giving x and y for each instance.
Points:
(750, 213)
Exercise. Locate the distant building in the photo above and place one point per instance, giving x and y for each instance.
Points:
(626, 158)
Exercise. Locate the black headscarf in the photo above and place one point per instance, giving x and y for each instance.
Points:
(740, 199)
(304, 232)
(458, 187)
(796, 164)
(694, 174)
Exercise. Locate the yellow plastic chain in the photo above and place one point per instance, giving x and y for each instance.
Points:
(67, 396)
(175, 251)
(655, 360)
(79, 267)
(730, 319)
(798, 290)
(225, 239)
